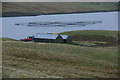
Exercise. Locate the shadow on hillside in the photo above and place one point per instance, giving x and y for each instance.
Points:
(96, 44)
(98, 41)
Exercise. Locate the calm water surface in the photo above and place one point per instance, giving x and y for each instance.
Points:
(10, 30)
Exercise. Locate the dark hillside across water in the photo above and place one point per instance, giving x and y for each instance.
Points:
(11, 9)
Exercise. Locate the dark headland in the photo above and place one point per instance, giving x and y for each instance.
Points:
(12, 9)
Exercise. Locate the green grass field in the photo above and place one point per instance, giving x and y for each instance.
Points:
(33, 8)
(112, 34)
(93, 37)
(52, 60)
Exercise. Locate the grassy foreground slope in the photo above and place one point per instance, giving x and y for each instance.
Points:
(51, 60)
(33, 8)
(35, 60)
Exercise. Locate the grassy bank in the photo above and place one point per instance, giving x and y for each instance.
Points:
(27, 8)
(105, 33)
(51, 60)
(93, 37)
(34, 60)
(7, 39)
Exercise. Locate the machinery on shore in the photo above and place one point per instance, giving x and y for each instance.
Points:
(29, 38)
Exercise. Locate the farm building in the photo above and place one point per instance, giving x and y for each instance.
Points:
(49, 38)
(52, 38)
(66, 38)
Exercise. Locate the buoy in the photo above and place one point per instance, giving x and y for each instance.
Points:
(54, 33)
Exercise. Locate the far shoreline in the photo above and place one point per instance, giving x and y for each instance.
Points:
(12, 14)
